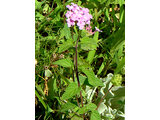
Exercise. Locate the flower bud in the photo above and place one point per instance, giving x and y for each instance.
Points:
(116, 80)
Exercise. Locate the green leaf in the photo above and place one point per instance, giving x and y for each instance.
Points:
(39, 16)
(64, 63)
(39, 89)
(52, 88)
(65, 46)
(91, 56)
(66, 32)
(101, 68)
(83, 33)
(67, 106)
(82, 63)
(81, 79)
(96, 34)
(41, 100)
(71, 91)
(119, 91)
(120, 65)
(79, 3)
(95, 115)
(92, 79)
(118, 101)
(88, 43)
(38, 5)
(89, 106)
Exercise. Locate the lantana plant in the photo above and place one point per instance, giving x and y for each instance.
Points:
(79, 17)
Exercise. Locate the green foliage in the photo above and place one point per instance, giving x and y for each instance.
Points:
(65, 32)
(71, 91)
(101, 62)
(88, 107)
(67, 106)
(64, 63)
(65, 46)
(88, 43)
(92, 79)
(95, 115)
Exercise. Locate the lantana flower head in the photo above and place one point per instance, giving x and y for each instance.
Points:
(79, 15)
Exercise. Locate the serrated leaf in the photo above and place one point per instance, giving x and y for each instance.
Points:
(92, 78)
(71, 91)
(65, 46)
(81, 79)
(67, 106)
(88, 43)
(64, 63)
(95, 115)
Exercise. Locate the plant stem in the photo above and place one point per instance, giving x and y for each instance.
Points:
(103, 97)
(76, 68)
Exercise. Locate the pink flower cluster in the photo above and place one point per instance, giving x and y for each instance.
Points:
(79, 15)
